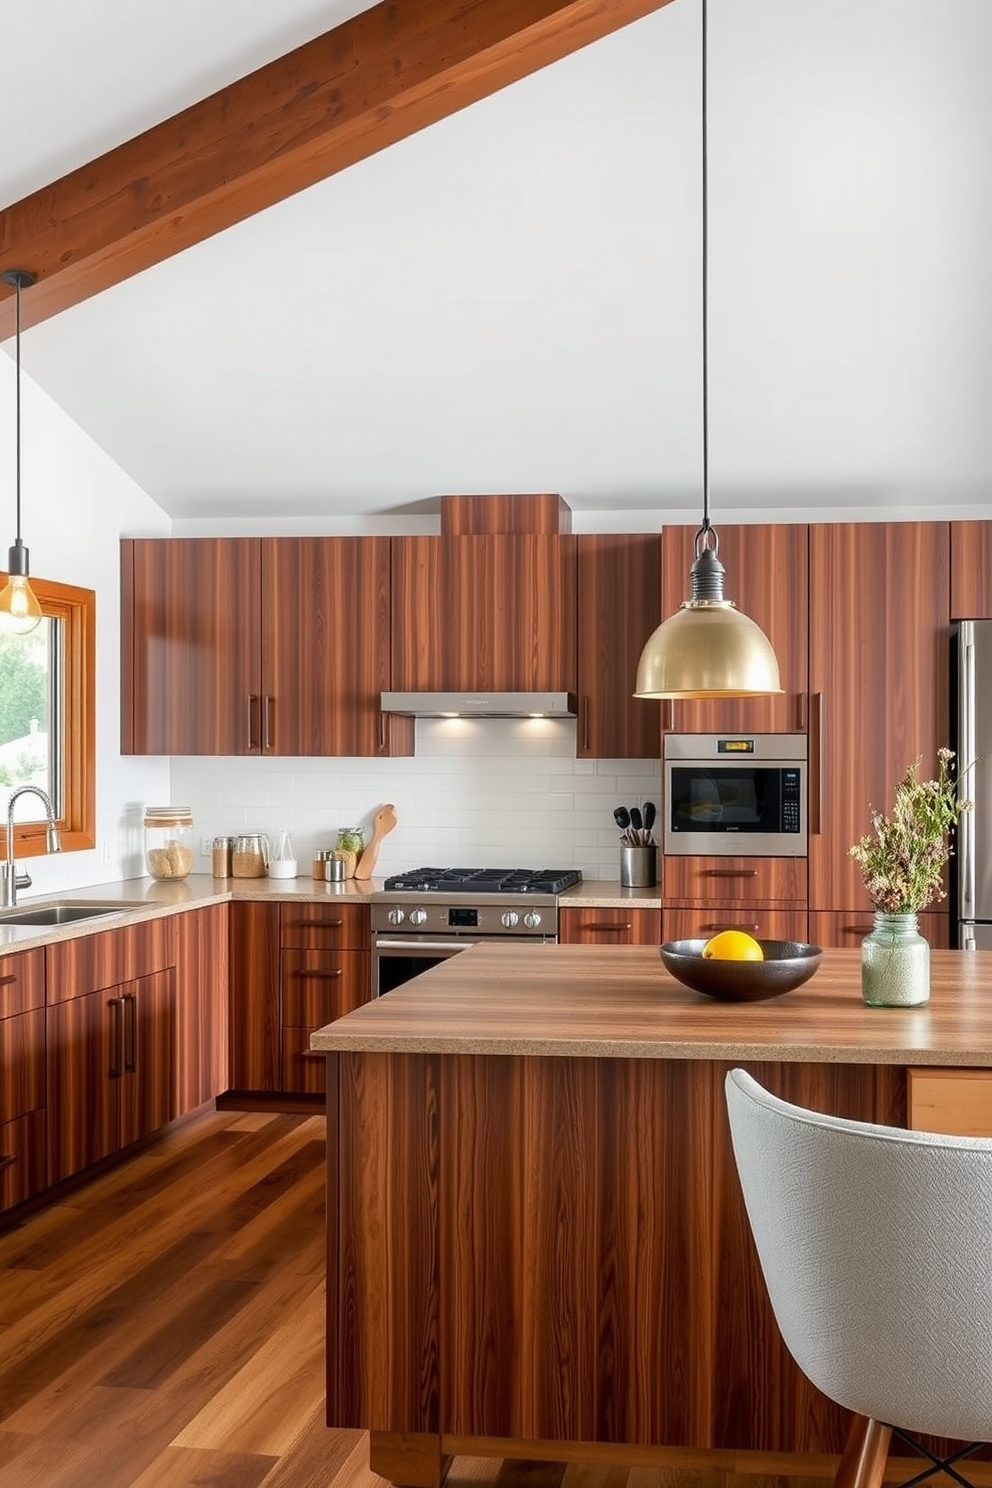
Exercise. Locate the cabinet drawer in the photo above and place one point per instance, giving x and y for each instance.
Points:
(303, 1071)
(837, 928)
(93, 962)
(319, 986)
(957, 1102)
(609, 926)
(765, 924)
(748, 880)
(22, 1159)
(22, 982)
(22, 1064)
(325, 927)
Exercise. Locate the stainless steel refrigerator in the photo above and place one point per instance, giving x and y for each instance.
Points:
(971, 675)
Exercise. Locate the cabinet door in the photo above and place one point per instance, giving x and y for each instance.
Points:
(624, 926)
(971, 570)
(879, 616)
(496, 613)
(148, 1086)
(255, 1018)
(190, 646)
(850, 929)
(755, 919)
(619, 605)
(201, 1006)
(325, 648)
(768, 579)
(85, 1068)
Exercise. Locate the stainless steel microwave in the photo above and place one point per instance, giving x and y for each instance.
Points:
(735, 795)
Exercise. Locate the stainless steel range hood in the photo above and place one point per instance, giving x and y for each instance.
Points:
(480, 704)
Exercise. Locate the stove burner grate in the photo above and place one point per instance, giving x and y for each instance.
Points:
(484, 880)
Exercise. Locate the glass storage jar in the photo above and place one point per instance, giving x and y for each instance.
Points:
(250, 855)
(168, 841)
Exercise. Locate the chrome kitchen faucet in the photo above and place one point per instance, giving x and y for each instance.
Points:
(10, 879)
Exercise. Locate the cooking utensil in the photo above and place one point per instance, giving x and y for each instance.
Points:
(622, 818)
(636, 820)
(382, 824)
(650, 815)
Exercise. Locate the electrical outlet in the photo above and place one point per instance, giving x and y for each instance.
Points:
(204, 847)
(108, 855)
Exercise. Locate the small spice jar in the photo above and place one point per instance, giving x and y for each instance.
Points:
(220, 856)
(320, 857)
(168, 841)
(250, 855)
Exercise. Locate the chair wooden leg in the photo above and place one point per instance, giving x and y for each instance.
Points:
(865, 1453)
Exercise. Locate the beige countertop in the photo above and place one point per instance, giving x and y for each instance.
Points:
(148, 899)
(620, 1002)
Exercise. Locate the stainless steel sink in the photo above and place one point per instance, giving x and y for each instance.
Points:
(61, 914)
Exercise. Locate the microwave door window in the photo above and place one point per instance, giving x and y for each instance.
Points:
(716, 800)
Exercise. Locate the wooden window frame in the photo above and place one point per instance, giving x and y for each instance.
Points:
(76, 608)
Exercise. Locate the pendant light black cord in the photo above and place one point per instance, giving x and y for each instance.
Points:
(706, 195)
(17, 403)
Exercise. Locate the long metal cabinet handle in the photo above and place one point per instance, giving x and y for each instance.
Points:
(382, 729)
(966, 723)
(267, 721)
(585, 723)
(730, 872)
(619, 926)
(320, 972)
(815, 806)
(116, 1006)
(727, 925)
(252, 700)
(801, 712)
(130, 1033)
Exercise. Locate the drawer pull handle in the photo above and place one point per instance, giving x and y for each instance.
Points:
(318, 971)
(857, 929)
(619, 927)
(7, 1160)
(6, 980)
(730, 872)
(312, 1054)
(316, 924)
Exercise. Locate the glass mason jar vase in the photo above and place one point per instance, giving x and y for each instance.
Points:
(895, 962)
(168, 841)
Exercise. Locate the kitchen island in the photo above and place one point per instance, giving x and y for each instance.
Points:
(536, 1241)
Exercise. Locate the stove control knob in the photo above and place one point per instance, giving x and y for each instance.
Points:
(532, 919)
(418, 916)
(396, 917)
(509, 919)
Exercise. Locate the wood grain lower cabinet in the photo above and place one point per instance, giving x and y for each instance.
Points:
(111, 1070)
(763, 921)
(957, 1102)
(701, 881)
(202, 1043)
(578, 926)
(832, 928)
(326, 971)
(22, 1077)
(254, 1003)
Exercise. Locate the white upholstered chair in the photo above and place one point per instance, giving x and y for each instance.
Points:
(876, 1248)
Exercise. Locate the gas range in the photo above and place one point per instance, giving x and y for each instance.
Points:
(483, 881)
(457, 903)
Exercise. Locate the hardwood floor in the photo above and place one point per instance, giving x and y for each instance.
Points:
(162, 1327)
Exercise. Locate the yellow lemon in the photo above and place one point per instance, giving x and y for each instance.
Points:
(733, 945)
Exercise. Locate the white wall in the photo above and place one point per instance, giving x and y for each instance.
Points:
(75, 504)
(479, 793)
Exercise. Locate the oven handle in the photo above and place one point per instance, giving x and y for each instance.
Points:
(387, 943)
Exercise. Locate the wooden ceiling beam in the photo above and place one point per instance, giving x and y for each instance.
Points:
(371, 81)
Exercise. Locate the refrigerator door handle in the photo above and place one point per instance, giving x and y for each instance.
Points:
(966, 759)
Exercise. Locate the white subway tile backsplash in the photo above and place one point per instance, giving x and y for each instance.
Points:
(494, 792)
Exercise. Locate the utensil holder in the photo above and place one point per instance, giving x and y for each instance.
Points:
(638, 867)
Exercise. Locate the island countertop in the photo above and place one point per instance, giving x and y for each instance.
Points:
(620, 1002)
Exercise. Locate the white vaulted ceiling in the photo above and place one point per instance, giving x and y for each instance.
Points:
(510, 300)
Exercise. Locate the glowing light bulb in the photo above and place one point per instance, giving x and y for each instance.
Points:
(20, 612)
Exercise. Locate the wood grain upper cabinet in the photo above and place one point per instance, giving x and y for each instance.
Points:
(275, 646)
(493, 612)
(971, 570)
(768, 579)
(190, 645)
(879, 617)
(619, 605)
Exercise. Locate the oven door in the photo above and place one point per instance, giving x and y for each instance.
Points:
(399, 958)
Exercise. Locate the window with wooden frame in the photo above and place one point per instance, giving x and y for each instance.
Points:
(48, 720)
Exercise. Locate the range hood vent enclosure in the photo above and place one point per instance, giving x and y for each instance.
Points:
(480, 704)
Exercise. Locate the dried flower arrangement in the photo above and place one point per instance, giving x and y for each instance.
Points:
(902, 858)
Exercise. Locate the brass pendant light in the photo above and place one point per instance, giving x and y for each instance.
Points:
(20, 611)
(709, 649)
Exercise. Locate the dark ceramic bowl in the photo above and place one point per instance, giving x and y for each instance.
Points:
(787, 964)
